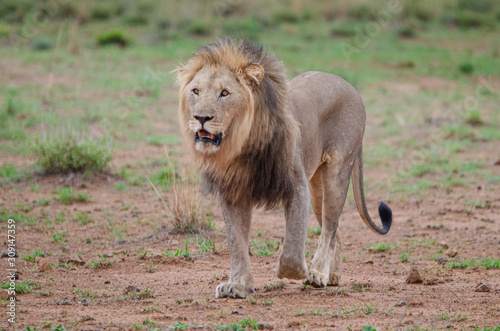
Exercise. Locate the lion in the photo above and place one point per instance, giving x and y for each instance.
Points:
(260, 140)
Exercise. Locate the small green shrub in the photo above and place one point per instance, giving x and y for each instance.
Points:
(137, 20)
(470, 19)
(5, 29)
(344, 31)
(266, 248)
(474, 117)
(287, 16)
(66, 195)
(61, 217)
(41, 44)
(164, 177)
(121, 187)
(64, 154)
(9, 174)
(43, 202)
(84, 218)
(466, 68)
(198, 28)
(407, 32)
(113, 38)
(82, 197)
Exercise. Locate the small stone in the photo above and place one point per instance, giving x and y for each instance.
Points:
(441, 260)
(234, 312)
(400, 304)
(266, 326)
(414, 277)
(130, 288)
(107, 282)
(45, 267)
(379, 256)
(443, 244)
(9, 254)
(4, 294)
(483, 287)
(452, 252)
(497, 162)
(240, 306)
(63, 303)
(75, 260)
(86, 304)
(368, 262)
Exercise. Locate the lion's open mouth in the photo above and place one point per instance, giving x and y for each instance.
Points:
(206, 136)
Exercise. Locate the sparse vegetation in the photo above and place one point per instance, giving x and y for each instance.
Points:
(64, 153)
(265, 248)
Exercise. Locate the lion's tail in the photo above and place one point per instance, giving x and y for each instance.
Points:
(384, 211)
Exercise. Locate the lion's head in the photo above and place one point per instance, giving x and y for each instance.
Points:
(234, 114)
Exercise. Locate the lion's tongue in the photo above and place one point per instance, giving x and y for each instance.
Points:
(203, 133)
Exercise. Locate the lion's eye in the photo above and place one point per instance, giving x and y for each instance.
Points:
(196, 91)
(224, 93)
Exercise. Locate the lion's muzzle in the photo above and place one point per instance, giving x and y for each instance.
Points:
(205, 136)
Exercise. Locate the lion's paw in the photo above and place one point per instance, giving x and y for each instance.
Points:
(334, 279)
(291, 270)
(316, 278)
(233, 290)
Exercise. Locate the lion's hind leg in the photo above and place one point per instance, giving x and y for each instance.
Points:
(325, 268)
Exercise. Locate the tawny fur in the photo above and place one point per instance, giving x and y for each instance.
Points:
(266, 181)
(265, 158)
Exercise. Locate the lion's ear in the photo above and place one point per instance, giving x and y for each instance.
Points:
(254, 74)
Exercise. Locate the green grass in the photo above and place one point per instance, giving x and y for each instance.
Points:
(487, 263)
(316, 231)
(265, 248)
(59, 237)
(170, 139)
(121, 186)
(26, 286)
(66, 195)
(82, 197)
(9, 174)
(380, 247)
(43, 202)
(73, 152)
(5, 215)
(83, 218)
(32, 257)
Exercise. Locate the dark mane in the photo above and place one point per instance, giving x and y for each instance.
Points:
(262, 172)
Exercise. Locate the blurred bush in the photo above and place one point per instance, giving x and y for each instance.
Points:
(114, 37)
(41, 44)
(72, 152)
(5, 29)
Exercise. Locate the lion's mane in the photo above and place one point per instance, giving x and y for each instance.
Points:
(256, 157)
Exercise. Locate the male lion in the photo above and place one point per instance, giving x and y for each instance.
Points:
(260, 140)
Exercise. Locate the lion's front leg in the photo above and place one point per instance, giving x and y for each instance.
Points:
(237, 218)
(292, 263)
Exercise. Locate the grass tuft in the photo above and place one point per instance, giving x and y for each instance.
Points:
(65, 153)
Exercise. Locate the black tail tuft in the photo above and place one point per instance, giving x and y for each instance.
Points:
(385, 216)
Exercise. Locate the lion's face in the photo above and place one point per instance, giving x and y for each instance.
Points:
(220, 107)
(214, 98)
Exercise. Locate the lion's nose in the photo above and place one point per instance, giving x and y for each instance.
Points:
(203, 119)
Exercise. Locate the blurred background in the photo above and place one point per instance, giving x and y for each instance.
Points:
(99, 73)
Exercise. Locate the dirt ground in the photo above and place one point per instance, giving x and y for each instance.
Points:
(372, 290)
